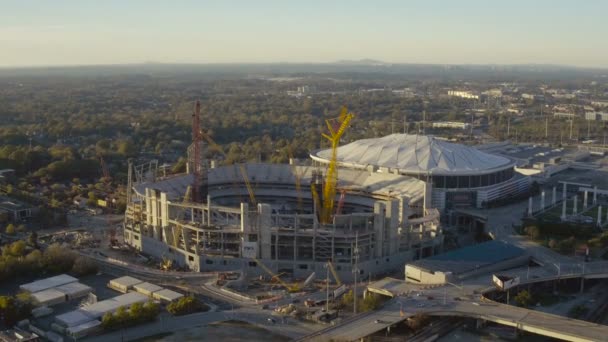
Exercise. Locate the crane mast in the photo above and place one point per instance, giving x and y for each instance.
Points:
(336, 129)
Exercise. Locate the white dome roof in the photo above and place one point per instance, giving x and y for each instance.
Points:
(416, 154)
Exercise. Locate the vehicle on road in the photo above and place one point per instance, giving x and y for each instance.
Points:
(476, 304)
(271, 320)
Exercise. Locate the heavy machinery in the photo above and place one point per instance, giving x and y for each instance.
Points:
(290, 287)
(336, 129)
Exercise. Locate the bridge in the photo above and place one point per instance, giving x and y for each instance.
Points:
(467, 301)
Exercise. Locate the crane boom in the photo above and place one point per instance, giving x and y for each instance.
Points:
(331, 180)
(334, 273)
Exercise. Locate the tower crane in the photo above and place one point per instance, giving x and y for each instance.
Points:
(336, 129)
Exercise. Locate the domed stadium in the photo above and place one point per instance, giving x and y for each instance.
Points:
(461, 175)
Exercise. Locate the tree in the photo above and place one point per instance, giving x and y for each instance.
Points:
(17, 248)
(523, 298)
(84, 266)
(10, 229)
(185, 305)
(21, 228)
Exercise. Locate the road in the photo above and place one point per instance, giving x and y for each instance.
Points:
(167, 324)
(401, 308)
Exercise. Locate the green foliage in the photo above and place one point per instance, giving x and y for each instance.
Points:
(83, 266)
(136, 314)
(14, 309)
(10, 229)
(523, 298)
(185, 305)
(371, 302)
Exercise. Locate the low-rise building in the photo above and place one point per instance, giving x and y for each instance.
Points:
(123, 284)
(17, 211)
(463, 94)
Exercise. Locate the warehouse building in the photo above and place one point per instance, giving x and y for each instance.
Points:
(123, 284)
(47, 283)
(96, 311)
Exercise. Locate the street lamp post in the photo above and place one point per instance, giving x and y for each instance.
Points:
(327, 288)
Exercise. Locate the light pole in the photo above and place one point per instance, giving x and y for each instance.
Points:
(327, 287)
(356, 271)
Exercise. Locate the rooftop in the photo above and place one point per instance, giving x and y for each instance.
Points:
(471, 257)
(416, 154)
(354, 180)
(126, 281)
(47, 283)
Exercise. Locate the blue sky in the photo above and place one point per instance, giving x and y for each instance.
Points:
(62, 32)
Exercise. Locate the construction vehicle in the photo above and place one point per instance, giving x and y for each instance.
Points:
(336, 128)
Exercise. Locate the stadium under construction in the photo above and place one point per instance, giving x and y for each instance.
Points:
(287, 218)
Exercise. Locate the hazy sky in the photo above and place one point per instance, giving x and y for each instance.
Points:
(62, 32)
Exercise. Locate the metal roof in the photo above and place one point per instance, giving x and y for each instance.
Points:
(126, 281)
(99, 309)
(47, 283)
(471, 257)
(167, 295)
(416, 154)
(149, 287)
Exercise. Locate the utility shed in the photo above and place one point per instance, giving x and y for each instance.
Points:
(49, 297)
(123, 284)
(147, 288)
(167, 295)
(47, 283)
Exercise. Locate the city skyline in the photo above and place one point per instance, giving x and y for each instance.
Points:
(36, 33)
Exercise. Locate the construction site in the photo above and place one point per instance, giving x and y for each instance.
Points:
(280, 226)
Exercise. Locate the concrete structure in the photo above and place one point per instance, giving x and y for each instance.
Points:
(461, 176)
(389, 216)
(123, 284)
(167, 295)
(47, 283)
(464, 263)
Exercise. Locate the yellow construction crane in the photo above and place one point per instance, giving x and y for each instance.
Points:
(334, 273)
(241, 168)
(290, 287)
(336, 130)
